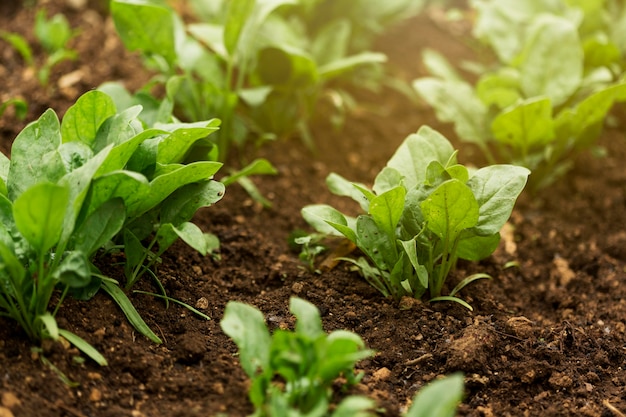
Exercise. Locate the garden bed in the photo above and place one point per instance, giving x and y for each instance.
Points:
(546, 337)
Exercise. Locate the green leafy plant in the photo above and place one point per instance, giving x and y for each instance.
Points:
(81, 188)
(292, 371)
(255, 64)
(20, 106)
(558, 71)
(53, 35)
(424, 212)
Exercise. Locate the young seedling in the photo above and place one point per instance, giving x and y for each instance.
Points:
(424, 212)
(251, 63)
(292, 372)
(558, 72)
(53, 35)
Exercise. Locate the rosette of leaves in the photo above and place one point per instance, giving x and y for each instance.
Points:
(73, 190)
(424, 212)
(292, 372)
(558, 71)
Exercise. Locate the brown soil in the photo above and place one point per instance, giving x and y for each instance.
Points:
(546, 338)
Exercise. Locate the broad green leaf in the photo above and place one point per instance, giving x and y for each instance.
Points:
(53, 33)
(526, 125)
(495, 189)
(34, 155)
(39, 213)
(375, 243)
(164, 185)
(131, 187)
(450, 209)
(134, 251)
(331, 42)
(146, 27)
(552, 47)
(183, 203)
(308, 318)
(129, 310)
(439, 398)
(456, 102)
(118, 128)
(386, 179)
(386, 209)
(438, 65)
(246, 326)
(83, 346)
(173, 148)
(74, 270)
(417, 151)
(20, 44)
(5, 163)
(476, 247)
(500, 89)
(83, 119)
(100, 226)
(121, 153)
(325, 219)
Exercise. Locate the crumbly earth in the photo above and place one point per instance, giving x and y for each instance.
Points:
(546, 337)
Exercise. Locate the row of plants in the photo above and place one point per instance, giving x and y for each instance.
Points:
(122, 174)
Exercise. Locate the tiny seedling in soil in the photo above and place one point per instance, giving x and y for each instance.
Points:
(425, 212)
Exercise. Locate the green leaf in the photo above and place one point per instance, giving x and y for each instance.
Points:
(121, 153)
(34, 155)
(146, 27)
(165, 184)
(84, 347)
(375, 243)
(129, 310)
(496, 189)
(526, 125)
(456, 102)
(552, 47)
(51, 328)
(417, 151)
(246, 326)
(173, 148)
(340, 186)
(355, 406)
(39, 214)
(339, 67)
(286, 67)
(439, 398)
(183, 203)
(476, 247)
(386, 209)
(410, 248)
(450, 209)
(129, 186)
(83, 119)
(191, 235)
(100, 226)
(308, 318)
(118, 128)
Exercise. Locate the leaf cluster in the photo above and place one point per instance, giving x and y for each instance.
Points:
(96, 180)
(424, 212)
(557, 73)
(53, 35)
(261, 66)
(292, 372)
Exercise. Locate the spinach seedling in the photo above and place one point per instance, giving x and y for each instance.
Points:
(425, 212)
(53, 35)
(292, 372)
(558, 71)
(439, 398)
(251, 63)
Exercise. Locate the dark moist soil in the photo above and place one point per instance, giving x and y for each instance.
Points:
(546, 338)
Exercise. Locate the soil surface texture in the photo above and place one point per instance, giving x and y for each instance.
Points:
(547, 336)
